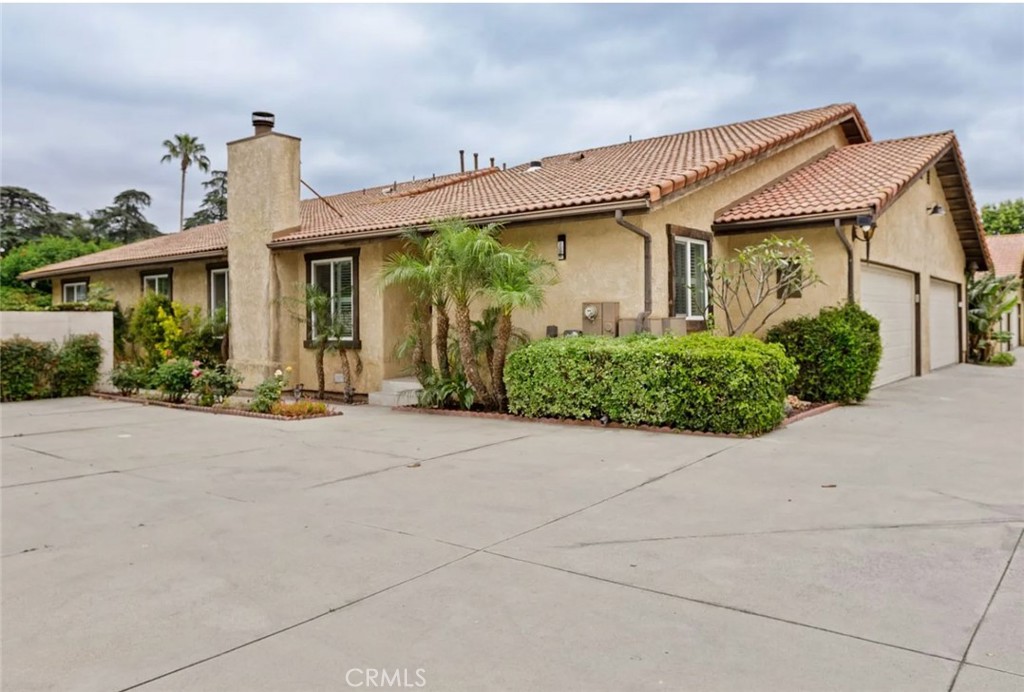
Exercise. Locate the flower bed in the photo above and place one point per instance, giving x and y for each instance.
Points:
(226, 408)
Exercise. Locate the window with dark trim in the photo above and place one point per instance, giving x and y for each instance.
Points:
(158, 280)
(337, 274)
(217, 281)
(689, 253)
(74, 290)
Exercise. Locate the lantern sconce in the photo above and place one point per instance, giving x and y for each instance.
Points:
(561, 246)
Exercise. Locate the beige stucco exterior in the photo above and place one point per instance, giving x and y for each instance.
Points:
(188, 282)
(604, 261)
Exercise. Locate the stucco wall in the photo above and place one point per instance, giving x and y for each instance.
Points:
(57, 326)
(188, 285)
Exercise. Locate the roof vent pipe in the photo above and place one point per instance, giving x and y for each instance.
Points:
(462, 160)
(535, 166)
(643, 319)
(476, 161)
(262, 122)
(492, 162)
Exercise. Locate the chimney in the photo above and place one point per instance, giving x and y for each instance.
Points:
(263, 200)
(476, 161)
(262, 122)
(462, 160)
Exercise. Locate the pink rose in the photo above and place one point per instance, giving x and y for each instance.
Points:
(197, 372)
(196, 364)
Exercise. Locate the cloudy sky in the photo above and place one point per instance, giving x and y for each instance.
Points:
(379, 93)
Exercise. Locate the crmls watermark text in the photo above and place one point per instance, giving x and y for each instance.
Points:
(382, 677)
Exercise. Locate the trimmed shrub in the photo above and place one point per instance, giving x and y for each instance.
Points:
(25, 369)
(702, 382)
(215, 384)
(837, 352)
(130, 378)
(1002, 358)
(174, 379)
(78, 365)
(299, 409)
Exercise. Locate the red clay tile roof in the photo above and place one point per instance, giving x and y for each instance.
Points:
(644, 170)
(1007, 254)
(196, 243)
(856, 177)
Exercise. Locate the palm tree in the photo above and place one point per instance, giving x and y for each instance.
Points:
(189, 150)
(517, 281)
(416, 269)
(464, 256)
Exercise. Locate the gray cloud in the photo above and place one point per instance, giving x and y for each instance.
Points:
(384, 92)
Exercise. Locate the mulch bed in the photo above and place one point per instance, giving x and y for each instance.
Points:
(209, 409)
(800, 411)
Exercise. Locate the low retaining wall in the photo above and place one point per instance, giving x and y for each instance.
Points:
(57, 326)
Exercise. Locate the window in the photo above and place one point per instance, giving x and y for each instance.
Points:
(219, 291)
(75, 291)
(690, 295)
(157, 282)
(338, 276)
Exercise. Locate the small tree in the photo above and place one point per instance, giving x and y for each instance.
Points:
(758, 280)
(1004, 218)
(988, 298)
(327, 329)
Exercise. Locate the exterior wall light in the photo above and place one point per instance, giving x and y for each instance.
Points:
(866, 225)
(561, 246)
(935, 210)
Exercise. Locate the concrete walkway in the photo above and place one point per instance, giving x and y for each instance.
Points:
(873, 547)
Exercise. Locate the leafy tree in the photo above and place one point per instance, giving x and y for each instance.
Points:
(125, 221)
(24, 216)
(1004, 218)
(988, 298)
(188, 150)
(39, 253)
(215, 202)
(758, 280)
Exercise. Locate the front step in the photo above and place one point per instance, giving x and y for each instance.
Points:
(398, 391)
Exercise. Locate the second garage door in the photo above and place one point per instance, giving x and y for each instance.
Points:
(943, 324)
(889, 295)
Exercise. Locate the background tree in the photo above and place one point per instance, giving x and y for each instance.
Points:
(188, 150)
(125, 221)
(215, 202)
(1004, 218)
(19, 295)
(24, 216)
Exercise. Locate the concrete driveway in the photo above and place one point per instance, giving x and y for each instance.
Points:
(874, 547)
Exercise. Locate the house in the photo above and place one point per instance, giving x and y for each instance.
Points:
(628, 226)
(1008, 260)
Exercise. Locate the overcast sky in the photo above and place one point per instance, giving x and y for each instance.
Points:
(379, 93)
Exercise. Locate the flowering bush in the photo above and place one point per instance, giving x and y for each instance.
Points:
(174, 378)
(268, 392)
(212, 385)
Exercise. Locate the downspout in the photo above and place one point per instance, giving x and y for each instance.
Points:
(849, 261)
(643, 318)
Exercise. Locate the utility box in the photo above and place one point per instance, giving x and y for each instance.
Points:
(600, 319)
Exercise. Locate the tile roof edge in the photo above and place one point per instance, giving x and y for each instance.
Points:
(45, 272)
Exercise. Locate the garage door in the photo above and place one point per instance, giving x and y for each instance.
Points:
(889, 294)
(943, 324)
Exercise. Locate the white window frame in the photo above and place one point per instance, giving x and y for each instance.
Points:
(154, 279)
(687, 273)
(227, 292)
(75, 285)
(313, 264)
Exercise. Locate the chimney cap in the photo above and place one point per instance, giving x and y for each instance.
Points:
(262, 119)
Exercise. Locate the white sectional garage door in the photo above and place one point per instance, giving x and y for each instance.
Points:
(943, 324)
(888, 294)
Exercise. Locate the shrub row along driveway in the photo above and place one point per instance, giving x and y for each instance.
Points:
(174, 550)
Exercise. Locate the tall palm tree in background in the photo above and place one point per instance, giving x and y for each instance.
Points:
(188, 150)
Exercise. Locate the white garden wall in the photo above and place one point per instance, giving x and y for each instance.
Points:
(56, 326)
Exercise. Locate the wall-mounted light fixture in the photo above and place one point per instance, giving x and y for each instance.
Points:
(935, 210)
(561, 246)
(865, 225)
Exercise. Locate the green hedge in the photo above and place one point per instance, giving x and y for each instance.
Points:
(837, 352)
(701, 382)
(34, 370)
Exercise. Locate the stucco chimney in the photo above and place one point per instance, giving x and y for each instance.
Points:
(263, 200)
